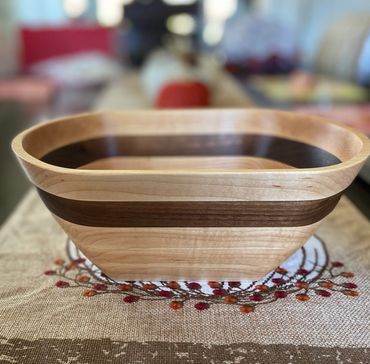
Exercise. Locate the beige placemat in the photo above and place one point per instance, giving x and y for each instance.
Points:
(41, 323)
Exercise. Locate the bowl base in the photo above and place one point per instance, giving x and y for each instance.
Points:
(311, 258)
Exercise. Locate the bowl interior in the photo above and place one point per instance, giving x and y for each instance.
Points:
(191, 140)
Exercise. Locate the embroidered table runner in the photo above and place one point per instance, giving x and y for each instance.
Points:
(56, 307)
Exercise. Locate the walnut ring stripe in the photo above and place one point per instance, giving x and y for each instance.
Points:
(189, 213)
(294, 153)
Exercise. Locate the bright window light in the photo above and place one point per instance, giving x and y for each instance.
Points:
(110, 12)
(216, 13)
(75, 8)
(219, 10)
(212, 33)
(181, 24)
(179, 2)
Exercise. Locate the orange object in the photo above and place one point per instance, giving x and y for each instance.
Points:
(149, 286)
(302, 297)
(262, 287)
(183, 94)
(176, 305)
(125, 287)
(173, 285)
(89, 293)
(230, 299)
(246, 309)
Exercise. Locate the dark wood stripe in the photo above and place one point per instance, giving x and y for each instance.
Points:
(293, 153)
(189, 214)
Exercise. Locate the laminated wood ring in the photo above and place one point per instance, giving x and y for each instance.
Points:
(190, 194)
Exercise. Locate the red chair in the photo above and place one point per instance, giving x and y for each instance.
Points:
(38, 44)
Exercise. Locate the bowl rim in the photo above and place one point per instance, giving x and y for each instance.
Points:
(20, 152)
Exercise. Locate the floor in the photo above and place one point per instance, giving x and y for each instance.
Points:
(13, 183)
(359, 194)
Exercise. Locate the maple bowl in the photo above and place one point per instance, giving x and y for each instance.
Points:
(190, 194)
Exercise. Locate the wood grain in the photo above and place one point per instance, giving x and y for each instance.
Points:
(290, 152)
(191, 221)
(185, 184)
(187, 253)
(216, 163)
(189, 214)
(301, 128)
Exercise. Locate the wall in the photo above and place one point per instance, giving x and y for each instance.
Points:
(8, 39)
(309, 18)
(15, 13)
(35, 12)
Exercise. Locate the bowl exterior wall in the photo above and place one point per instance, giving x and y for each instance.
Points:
(192, 253)
(219, 225)
(187, 253)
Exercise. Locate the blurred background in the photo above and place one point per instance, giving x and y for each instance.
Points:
(59, 57)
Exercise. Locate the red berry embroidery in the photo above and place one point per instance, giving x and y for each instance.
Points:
(125, 287)
(349, 292)
(70, 266)
(337, 264)
(89, 293)
(234, 284)
(83, 278)
(215, 284)
(59, 261)
(302, 297)
(173, 285)
(194, 285)
(130, 299)
(256, 297)
(349, 285)
(278, 281)
(326, 284)
(223, 292)
(347, 274)
(149, 286)
(200, 306)
(230, 299)
(50, 272)
(301, 285)
(281, 270)
(262, 287)
(80, 260)
(302, 271)
(280, 294)
(323, 293)
(246, 309)
(100, 286)
(219, 292)
(167, 294)
(61, 284)
(176, 305)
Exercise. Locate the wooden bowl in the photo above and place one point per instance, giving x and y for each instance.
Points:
(212, 194)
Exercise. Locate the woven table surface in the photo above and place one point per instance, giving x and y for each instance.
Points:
(44, 323)
(55, 309)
